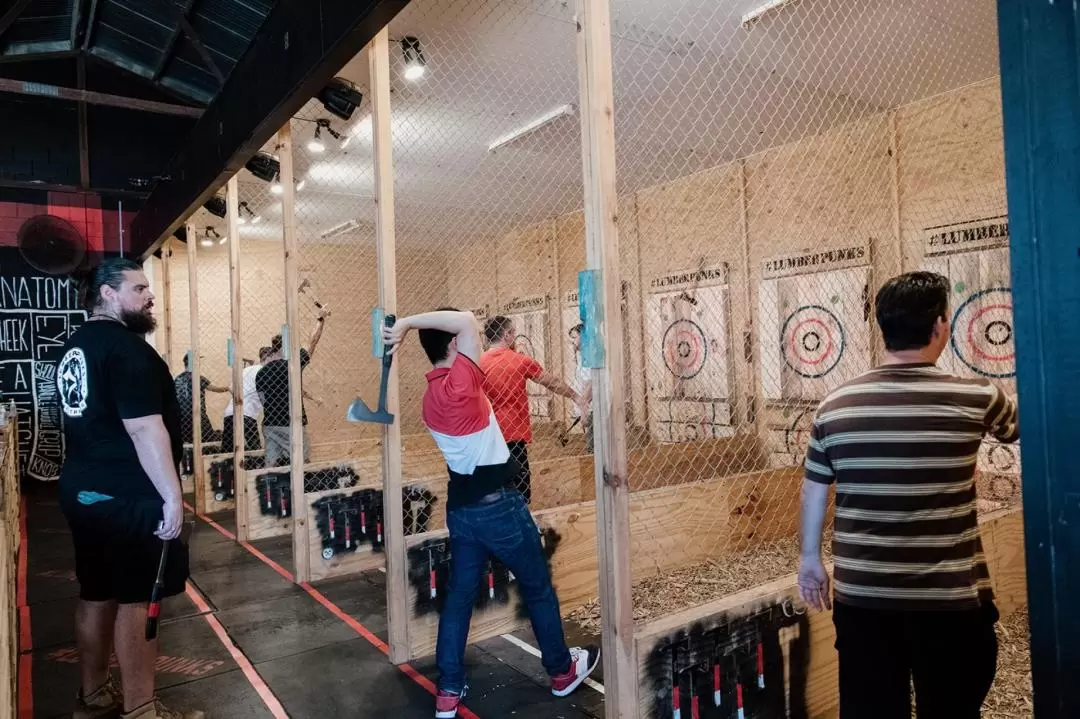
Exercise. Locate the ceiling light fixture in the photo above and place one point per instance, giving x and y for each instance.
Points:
(253, 216)
(543, 120)
(756, 14)
(341, 98)
(211, 236)
(264, 166)
(316, 143)
(340, 229)
(217, 206)
(415, 64)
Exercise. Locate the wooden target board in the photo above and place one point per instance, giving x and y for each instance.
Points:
(814, 336)
(530, 316)
(815, 331)
(982, 341)
(688, 366)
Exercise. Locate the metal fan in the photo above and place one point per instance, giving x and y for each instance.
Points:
(52, 245)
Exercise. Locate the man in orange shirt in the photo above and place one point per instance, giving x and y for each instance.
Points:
(505, 372)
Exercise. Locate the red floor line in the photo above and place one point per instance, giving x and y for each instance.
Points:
(256, 681)
(26, 661)
(334, 609)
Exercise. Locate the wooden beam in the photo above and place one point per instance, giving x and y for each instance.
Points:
(181, 19)
(232, 201)
(84, 140)
(196, 394)
(397, 590)
(12, 14)
(170, 44)
(301, 568)
(90, 19)
(602, 252)
(37, 89)
(77, 7)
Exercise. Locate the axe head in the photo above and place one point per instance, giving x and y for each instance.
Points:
(304, 284)
(360, 412)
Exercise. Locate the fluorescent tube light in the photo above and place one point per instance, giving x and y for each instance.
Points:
(546, 119)
(756, 14)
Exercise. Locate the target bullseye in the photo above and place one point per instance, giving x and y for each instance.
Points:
(812, 341)
(685, 349)
(982, 333)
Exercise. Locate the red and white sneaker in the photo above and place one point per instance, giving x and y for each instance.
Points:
(583, 660)
(447, 703)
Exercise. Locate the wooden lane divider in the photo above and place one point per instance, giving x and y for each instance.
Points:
(669, 532)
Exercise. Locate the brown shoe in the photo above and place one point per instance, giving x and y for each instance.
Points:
(104, 703)
(156, 710)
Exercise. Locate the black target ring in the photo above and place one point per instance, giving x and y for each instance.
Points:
(685, 348)
(998, 333)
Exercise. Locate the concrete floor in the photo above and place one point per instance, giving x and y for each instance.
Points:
(245, 641)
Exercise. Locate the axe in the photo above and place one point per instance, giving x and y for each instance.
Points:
(305, 289)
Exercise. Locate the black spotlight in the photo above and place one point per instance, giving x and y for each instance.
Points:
(263, 166)
(341, 98)
(216, 206)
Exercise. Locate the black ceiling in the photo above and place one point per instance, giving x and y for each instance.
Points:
(184, 47)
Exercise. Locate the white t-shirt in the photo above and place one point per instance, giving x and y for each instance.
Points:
(253, 403)
(581, 382)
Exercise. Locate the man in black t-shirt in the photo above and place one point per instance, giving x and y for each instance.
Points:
(272, 383)
(119, 488)
(184, 396)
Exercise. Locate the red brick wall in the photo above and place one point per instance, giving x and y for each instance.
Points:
(101, 228)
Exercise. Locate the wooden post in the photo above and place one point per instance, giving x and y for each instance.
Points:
(166, 300)
(301, 570)
(397, 589)
(602, 252)
(1040, 84)
(196, 385)
(232, 198)
(894, 168)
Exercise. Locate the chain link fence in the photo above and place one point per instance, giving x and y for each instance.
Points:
(487, 154)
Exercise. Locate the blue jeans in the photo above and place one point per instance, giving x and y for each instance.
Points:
(502, 527)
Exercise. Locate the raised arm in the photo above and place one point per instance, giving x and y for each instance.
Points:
(316, 335)
(462, 325)
(556, 385)
(1002, 418)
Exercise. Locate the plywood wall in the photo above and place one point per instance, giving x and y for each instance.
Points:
(877, 183)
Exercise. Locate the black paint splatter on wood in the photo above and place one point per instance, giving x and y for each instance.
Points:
(723, 657)
(429, 574)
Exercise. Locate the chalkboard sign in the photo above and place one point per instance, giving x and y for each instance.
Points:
(37, 315)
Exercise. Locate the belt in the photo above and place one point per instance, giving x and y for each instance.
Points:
(493, 497)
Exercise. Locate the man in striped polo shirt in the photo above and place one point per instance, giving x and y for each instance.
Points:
(912, 590)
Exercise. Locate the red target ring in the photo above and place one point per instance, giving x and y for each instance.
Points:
(812, 341)
(685, 349)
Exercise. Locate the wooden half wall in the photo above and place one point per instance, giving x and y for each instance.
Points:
(570, 532)
(799, 646)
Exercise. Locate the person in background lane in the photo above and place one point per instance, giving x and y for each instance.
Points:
(505, 372)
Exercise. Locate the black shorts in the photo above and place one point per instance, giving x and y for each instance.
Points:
(117, 554)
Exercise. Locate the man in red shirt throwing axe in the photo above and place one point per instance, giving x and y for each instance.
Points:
(484, 517)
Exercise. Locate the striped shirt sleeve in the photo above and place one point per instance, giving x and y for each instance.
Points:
(818, 467)
(1002, 419)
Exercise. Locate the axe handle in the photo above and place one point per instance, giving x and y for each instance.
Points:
(387, 361)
